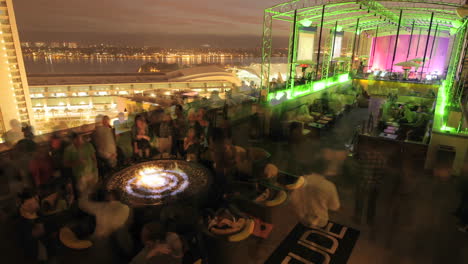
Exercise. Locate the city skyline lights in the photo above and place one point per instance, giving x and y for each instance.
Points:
(165, 22)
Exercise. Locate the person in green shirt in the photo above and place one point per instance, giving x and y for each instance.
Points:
(81, 158)
(409, 116)
(416, 133)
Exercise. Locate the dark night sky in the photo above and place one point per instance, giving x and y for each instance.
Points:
(180, 23)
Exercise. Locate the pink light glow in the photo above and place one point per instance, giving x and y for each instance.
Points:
(382, 58)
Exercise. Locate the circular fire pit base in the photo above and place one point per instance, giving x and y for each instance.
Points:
(159, 182)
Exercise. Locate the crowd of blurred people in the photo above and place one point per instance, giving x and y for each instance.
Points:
(67, 175)
(62, 197)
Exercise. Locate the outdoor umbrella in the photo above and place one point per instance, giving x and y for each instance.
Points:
(407, 65)
(419, 61)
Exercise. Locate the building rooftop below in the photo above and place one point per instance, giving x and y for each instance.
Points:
(101, 78)
(187, 74)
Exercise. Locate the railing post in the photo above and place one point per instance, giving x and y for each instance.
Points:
(427, 44)
(410, 40)
(354, 46)
(292, 53)
(319, 43)
(396, 40)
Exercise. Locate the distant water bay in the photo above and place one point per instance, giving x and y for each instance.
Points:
(42, 65)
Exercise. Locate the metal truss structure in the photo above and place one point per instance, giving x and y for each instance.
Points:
(384, 15)
(450, 94)
(266, 49)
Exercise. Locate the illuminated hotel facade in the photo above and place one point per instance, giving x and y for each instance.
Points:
(76, 99)
(14, 100)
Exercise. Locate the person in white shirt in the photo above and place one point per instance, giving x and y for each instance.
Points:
(111, 214)
(104, 141)
(314, 199)
(112, 219)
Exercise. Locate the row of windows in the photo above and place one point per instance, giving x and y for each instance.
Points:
(71, 101)
(58, 89)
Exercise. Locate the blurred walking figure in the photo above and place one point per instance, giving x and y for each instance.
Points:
(81, 158)
(166, 135)
(313, 201)
(41, 167)
(121, 124)
(112, 219)
(180, 130)
(372, 165)
(15, 134)
(104, 141)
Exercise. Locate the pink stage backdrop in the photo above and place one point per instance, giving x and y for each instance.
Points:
(383, 54)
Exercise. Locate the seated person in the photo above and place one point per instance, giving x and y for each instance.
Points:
(192, 145)
(53, 202)
(159, 246)
(32, 235)
(269, 178)
(224, 222)
(303, 115)
(418, 128)
(409, 114)
(141, 138)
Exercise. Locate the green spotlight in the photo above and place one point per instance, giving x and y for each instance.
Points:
(306, 22)
(309, 88)
(453, 31)
(320, 85)
(457, 23)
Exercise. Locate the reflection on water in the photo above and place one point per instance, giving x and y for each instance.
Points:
(36, 65)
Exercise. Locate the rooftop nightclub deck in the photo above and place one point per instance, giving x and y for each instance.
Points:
(413, 52)
(388, 76)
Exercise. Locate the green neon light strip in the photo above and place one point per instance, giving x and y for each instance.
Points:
(440, 107)
(309, 88)
(444, 93)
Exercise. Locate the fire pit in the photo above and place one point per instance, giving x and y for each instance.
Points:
(159, 181)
